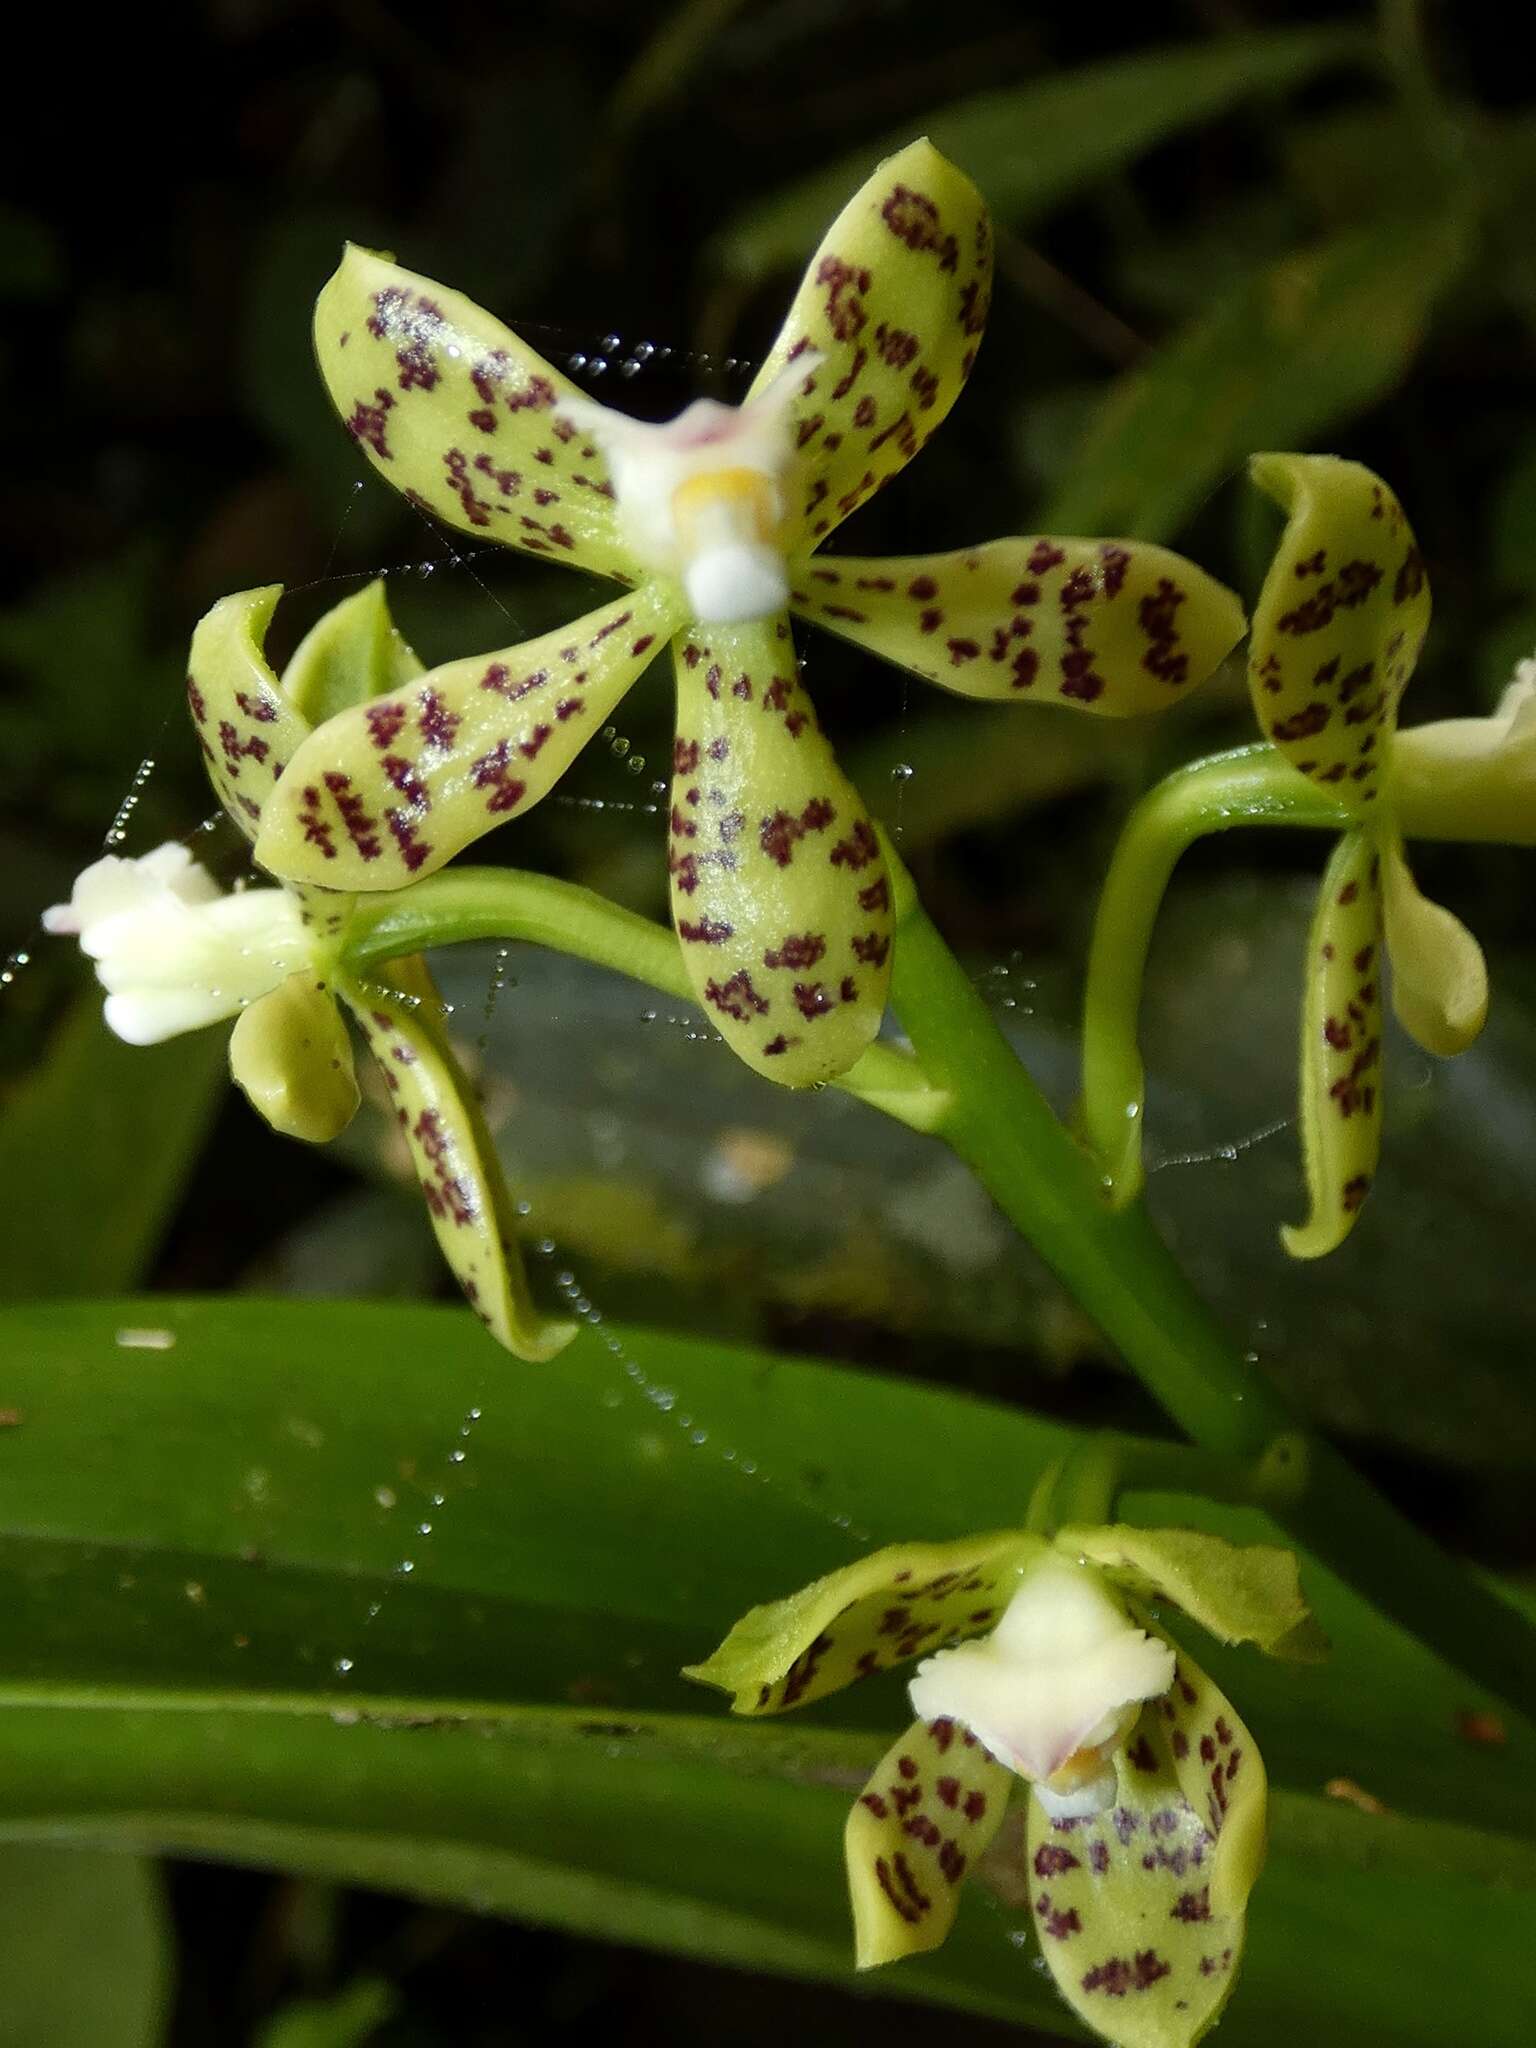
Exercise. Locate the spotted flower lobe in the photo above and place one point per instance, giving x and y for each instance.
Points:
(1339, 623)
(1341, 1034)
(400, 1012)
(1139, 1910)
(246, 725)
(780, 894)
(894, 301)
(462, 416)
(1113, 627)
(896, 1604)
(391, 789)
(932, 1806)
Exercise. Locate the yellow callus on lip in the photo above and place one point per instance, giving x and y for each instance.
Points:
(727, 521)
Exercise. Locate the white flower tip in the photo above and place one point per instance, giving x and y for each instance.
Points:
(62, 921)
(741, 580)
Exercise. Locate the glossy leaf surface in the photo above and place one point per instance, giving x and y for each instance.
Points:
(180, 1612)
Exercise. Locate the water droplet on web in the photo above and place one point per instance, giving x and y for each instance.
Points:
(629, 367)
(342, 1666)
(612, 343)
(903, 772)
(598, 367)
(636, 764)
(406, 1566)
(576, 364)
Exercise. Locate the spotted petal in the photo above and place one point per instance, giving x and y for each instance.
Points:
(928, 1813)
(1139, 1910)
(1341, 1049)
(459, 414)
(392, 789)
(1439, 976)
(894, 301)
(455, 1159)
(779, 888)
(290, 1053)
(898, 1603)
(1339, 622)
(246, 725)
(1112, 626)
(1240, 1593)
(352, 653)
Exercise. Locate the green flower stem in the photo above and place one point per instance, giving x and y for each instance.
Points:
(967, 1087)
(1116, 1266)
(1250, 786)
(505, 903)
(1086, 1485)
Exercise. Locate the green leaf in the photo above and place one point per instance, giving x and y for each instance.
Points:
(1031, 146)
(139, 1113)
(212, 1646)
(85, 1954)
(1289, 351)
(348, 2020)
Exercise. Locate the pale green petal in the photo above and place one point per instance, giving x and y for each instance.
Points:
(918, 1828)
(352, 653)
(246, 726)
(1341, 1024)
(1439, 976)
(1339, 623)
(291, 1054)
(780, 893)
(1140, 1910)
(390, 790)
(897, 1603)
(1114, 626)
(459, 414)
(454, 1155)
(1241, 1593)
(894, 302)
(1472, 778)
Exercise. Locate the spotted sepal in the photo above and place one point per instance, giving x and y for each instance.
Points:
(246, 725)
(1340, 1102)
(1139, 1910)
(461, 415)
(902, 1602)
(933, 1805)
(1239, 1593)
(780, 894)
(400, 1013)
(352, 653)
(894, 302)
(1112, 626)
(1339, 622)
(290, 1053)
(390, 790)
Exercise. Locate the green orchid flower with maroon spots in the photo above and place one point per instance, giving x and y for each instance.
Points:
(712, 522)
(1336, 635)
(1041, 1661)
(176, 952)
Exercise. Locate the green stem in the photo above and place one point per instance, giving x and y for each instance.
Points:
(1114, 1263)
(1089, 1482)
(967, 1087)
(1250, 786)
(505, 903)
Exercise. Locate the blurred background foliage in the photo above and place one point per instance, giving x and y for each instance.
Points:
(1223, 225)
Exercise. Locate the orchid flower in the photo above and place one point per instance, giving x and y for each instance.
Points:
(1040, 1661)
(712, 523)
(176, 952)
(1336, 635)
